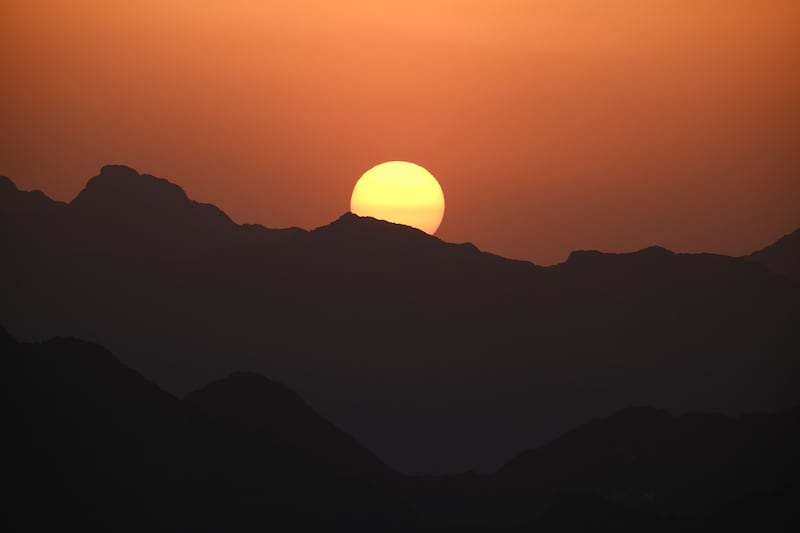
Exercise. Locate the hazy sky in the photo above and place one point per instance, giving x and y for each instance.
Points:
(551, 125)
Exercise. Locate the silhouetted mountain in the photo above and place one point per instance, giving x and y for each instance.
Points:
(93, 446)
(782, 256)
(144, 218)
(27, 206)
(436, 356)
(258, 405)
(26, 217)
(641, 469)
(86, 438)
(365, 244)
(685, 464)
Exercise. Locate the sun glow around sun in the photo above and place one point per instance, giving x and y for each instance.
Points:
(400, 192)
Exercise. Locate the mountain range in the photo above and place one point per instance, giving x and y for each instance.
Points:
(437, 357)
(93, 446)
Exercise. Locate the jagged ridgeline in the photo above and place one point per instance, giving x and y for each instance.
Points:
(437, 357)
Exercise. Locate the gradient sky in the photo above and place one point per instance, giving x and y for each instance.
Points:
(552, 125)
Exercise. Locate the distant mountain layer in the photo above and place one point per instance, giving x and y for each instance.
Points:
(436, 356)
(93, 446)
(261, 407)
(782, 256)
(121, 214)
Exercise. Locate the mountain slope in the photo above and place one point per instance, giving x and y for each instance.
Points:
(437, 356)
(260, 406)
(638, 469)
(87, 436)
(93, 446)
(678, 466)
(782, 256)
(678, 462)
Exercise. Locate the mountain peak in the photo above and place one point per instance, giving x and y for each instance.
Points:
(6, 185)
(254, 403)
(119, 184)
(354, 227)
(249, 399)
(118, 170)
(652, 252)
(119, 196)
(655, 251)
(350, 219)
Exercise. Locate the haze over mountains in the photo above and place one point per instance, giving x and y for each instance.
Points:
(437, 357)
(93, 446)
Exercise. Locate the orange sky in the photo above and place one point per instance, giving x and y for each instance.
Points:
(552, 125)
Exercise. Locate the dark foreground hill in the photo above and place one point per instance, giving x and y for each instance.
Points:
(672, 466)
(436, 356)
(262, 408)
(93, 446)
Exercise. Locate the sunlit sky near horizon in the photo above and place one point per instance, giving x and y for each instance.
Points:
(551, 125)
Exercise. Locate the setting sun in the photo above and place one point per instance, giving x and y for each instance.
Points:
(401, 192)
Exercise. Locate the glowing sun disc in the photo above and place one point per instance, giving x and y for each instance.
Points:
(401, 192)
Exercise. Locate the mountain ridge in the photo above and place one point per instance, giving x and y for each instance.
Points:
(100, 447)
(257, 404)
(361, 308)
(782, 256)
(120, 183)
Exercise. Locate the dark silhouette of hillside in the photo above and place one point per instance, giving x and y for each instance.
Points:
(24, 206)
(141, 218)
(782, 256)
(682, 464)
(93, 446)
(641, 469)
(261, 407)
(436, 356)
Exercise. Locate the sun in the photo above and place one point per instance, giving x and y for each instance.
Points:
(401, 192)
